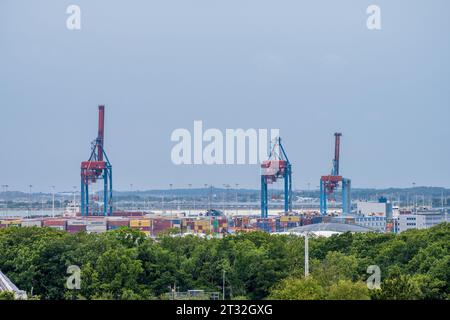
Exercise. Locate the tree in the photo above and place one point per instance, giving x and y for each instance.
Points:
(336, 266)
(7, 295)
(397, 287)
(347, 290)
(298, 289)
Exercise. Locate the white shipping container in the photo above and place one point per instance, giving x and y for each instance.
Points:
(31, 223)
(76, 222)
(58, 227)
(95, 229)
(96, 223)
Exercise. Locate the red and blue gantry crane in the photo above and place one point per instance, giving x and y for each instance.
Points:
(276, 167)
(328, 184)
(96, 168)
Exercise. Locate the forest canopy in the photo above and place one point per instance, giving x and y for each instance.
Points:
(124, 264)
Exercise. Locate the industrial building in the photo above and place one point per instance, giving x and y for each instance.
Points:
(421, 220)
(380, 209)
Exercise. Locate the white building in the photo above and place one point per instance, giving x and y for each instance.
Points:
(420, 220)
(377, 223)
(381, 209)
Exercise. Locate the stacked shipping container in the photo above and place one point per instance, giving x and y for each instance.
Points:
(74, 226)
(160, 225)
(143, 225)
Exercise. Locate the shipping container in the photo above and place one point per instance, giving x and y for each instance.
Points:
(115, 224)
(290, 218)
(16, 222)
(76, 222)
(316, 219)
(31, 223)
(61, 228)
(75, 228)
(54, 222)
(96, 223)
(95, 229)
(128, 214)
(135, 223)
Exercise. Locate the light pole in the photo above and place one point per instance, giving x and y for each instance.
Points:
(306, 255)
(210, 196)
(171, 205)
(195, 207)
(190, 191)
(53, 201)
(223, 198)
(5, 191)
(223, 285)
(29, 200)
(74, 192)
(237, 205)
(206, 187)
(132, 199)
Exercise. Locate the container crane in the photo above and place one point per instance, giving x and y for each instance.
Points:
(276, 167)
(96, 168)
(328, 184)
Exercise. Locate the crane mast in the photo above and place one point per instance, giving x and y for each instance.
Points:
(97, 167)
(328, 184)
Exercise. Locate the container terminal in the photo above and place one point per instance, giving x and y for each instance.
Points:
(335, 212)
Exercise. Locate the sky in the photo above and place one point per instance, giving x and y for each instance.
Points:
(307, 68)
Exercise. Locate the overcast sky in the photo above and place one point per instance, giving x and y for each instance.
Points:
(308, 68)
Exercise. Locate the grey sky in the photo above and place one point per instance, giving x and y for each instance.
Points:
(309, 68)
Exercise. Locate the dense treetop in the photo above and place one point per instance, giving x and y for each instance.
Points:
(124, 264)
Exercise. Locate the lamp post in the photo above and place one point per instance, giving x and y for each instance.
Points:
(132, 199)
(306, 255)
(190, 191)
(171, 205)
(5, 191)
(223, 285)
(29, 200)
(206, 187)
(53, 201)
(237, 204)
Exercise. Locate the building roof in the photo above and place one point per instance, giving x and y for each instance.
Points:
(7, 285)
(332, 227)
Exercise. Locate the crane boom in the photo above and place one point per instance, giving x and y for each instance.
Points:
(101, 131)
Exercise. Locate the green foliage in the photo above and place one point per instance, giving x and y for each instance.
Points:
(298, 289)
(6, 295)
(397, 287)
(124, 264)
(348, 290)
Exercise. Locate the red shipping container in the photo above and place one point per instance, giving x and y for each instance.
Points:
(127, 214)
(75, 228)
(119, 223)
(48, 223)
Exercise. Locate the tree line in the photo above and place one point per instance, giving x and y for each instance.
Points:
(124, 264)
